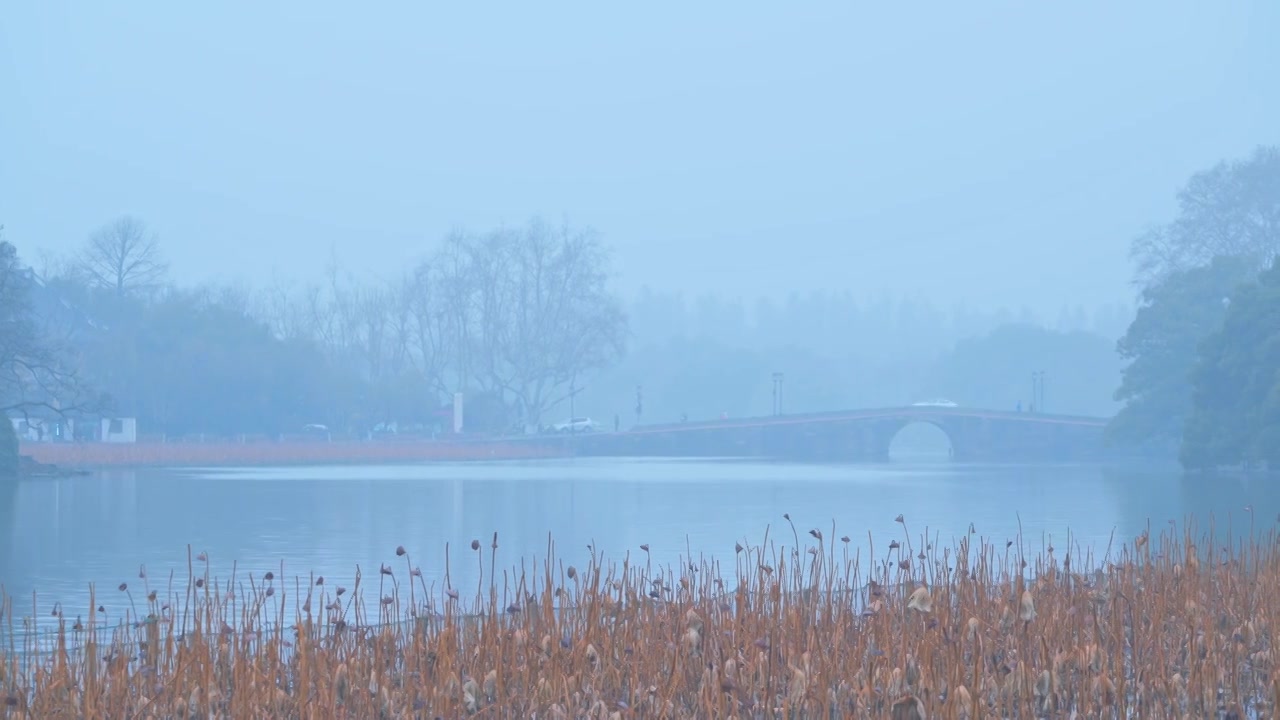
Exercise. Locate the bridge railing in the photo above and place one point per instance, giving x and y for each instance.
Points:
(869, 413)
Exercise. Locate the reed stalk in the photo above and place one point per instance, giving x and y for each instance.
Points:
(1166, 625)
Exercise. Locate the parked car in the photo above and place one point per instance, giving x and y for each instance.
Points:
(575, 425)
(316, 431)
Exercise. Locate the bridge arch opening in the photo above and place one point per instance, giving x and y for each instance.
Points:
(920, 441)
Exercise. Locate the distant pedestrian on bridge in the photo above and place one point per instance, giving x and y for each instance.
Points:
(617, 422)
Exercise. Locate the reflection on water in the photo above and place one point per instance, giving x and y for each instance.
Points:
(60, 535)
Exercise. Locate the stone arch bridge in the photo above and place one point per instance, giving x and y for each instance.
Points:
(859, 435)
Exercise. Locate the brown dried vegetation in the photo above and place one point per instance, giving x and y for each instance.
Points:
(1162, 629)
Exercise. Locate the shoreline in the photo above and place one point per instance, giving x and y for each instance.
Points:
(90, 456)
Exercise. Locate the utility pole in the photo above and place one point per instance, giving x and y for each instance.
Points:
(1037, 391)
(777, 393)
(573, 392)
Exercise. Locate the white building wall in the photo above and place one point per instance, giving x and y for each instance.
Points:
(120, 430)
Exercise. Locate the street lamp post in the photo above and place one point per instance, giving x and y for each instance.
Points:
(777, 393)
(573, 415)
(1037, 391)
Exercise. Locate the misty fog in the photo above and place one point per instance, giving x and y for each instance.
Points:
(884, 205)
(994, 154)
(628, 361)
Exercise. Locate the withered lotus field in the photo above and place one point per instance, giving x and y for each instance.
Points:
(809, 626)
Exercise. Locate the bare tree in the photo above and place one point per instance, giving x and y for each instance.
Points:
(569, 322)
(456, 300)
(353, 322)
(490, 280)
(532, 310)
(38, 370)
(123, 257)
(514, 314)
(370, 322)
(52, 267)
(277, 306)
(423, 327)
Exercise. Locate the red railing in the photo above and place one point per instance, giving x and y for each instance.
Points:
(276, 453)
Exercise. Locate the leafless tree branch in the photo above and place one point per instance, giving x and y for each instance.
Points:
(39, 366)
(123, 257)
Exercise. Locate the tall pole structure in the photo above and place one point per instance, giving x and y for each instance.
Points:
(573, 415)
(774, 409)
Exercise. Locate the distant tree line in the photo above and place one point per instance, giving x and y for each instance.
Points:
(522, 319)
(525, 323)
(704, 357)
(1203, 353)
(510, 317)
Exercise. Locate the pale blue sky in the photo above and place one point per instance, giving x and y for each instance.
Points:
(988, 152)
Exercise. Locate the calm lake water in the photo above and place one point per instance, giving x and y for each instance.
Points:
(58, 536)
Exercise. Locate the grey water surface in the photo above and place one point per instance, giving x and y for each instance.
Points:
(57, 536)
